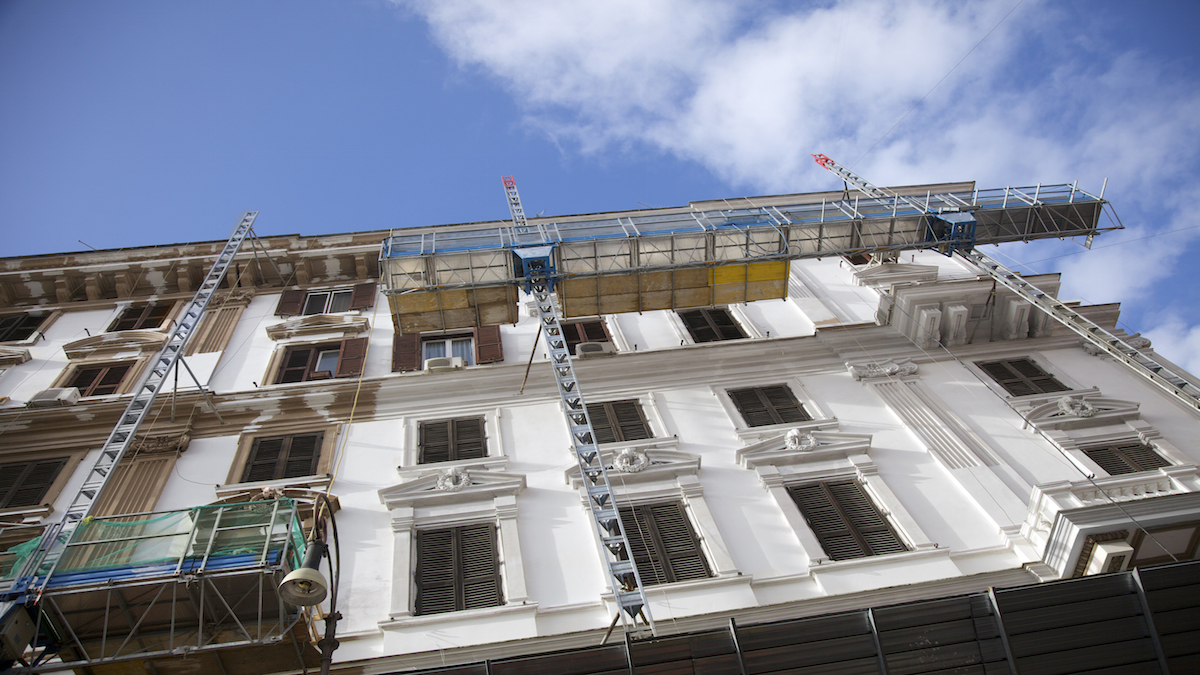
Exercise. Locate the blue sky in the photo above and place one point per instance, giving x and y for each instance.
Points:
(129, 123)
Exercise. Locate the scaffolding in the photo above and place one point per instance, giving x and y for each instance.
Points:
(156, 587)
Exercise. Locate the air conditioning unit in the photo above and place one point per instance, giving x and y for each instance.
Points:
(441, 364)
(587, 350)
(54, 398)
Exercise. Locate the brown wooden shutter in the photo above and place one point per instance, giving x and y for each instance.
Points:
(290, 303)
(265, 456)
(488, 347)
(469, 441)
(215, 330)
(351, 356)
(136, 485)
(752, 408)
(364, 296)
(618, 421)
(1021, 377)
(436, 572)
(26, 483)
(457, 569)
(303, 455)
(295, 365)
(845, 520)
(435, 442)
(601, 424)
(665, 548)
(406, 352)
(480, 569)
(762, 406)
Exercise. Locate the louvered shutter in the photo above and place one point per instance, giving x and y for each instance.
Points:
(435, 442)
(665, 548)
(787, 409)
(290, 303)
(264, 459)
(136, 485)
(1117, 460)
(303, 455)
(1143, 457)
(363, 297)
(752, 407)
(406, 352)
(845, 520)
(1041, 381)
(436, 572)
(488, 347)
(468, 442)
(26, 483)
(350, 357)
(697, 324)
(630, 423)
(601, 425)
(295, 365)
(1021, 377)
(726, 327)
(480, 567)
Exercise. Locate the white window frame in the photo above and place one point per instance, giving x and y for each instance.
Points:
(330, 293)
(433, 502)
(1038, 359)
(832, 456)
(748, 434)
(410, 446)
(448, 342)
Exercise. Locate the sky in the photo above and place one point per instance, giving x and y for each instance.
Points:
(135, 122)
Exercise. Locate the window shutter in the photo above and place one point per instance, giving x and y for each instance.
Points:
(436, 572)
(363, 297)
(1021, 377)
(406, 352)
(1040, 380)
(605, 433)
(303, 454)
(698, 326)
(752, 407)
(488, 347)
(295, 365)
(351, 357)
(480, 568)
(263, 460)
(726, 327)
(629, 420)
(785, 405)
(1143, 457)
(845, 520)
(136, 484)
(26, 483)
(468, 439)
(665, 548)
(1117, 460)
(435, 442)
(290, 303)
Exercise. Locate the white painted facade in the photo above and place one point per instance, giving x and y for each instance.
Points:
(983, 488)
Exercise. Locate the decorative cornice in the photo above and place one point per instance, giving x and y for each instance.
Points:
(319, 324)
(1077, 410)
(809, 446)
(641, 465)
(149, 445)
(145, 342)
(453, 485)
(13, 356)
(872, 370)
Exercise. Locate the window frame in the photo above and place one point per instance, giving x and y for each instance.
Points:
(706, 314)
(247, 443)
(1018, 378)
(118, 387)
(575, 332)
(147, 314)
(408, 350)
(448, 341)
(459, 577)
(22, 317)
(351, 357)
(295, 301)
(31, 465)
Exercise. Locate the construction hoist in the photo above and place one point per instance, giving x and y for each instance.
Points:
(952, 231)
(537, 261)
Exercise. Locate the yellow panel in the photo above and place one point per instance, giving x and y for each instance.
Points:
(446, 310)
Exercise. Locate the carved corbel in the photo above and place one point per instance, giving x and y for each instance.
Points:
(875, 370)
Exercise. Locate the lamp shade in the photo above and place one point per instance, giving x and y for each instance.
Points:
(306, 585)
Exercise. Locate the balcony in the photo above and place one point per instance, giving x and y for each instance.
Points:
(194, 590)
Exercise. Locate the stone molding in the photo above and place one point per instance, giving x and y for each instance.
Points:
(319, 324)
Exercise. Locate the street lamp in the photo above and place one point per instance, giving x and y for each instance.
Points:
(305, 586)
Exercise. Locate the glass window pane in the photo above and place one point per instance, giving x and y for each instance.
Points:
(327, 360)
(434, 348)
(339, 302)
(315, 303)
(462, 348)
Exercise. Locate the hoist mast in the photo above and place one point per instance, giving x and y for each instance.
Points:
(536, 259)
(955, 234)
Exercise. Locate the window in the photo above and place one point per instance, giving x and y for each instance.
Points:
(26, 483)
(711, 325)
(448, 440)
(138, 317)
(483, 345)
(847, 523)
(19, 327)
(280, 457)
(320, 362)
(1130, 458)
(763, 406)
(665, 548)
(584, 331)
(1021, 377)
(329, 301)
(618, 421)
(462, 346)
(457, 569)
(99, 380)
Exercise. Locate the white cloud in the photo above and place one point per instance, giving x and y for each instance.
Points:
(749, 89)
(1178, 341)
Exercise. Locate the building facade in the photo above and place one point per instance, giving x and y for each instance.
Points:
(892, 430)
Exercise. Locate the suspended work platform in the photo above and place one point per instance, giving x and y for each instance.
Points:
(194, 590)
(465, 275)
